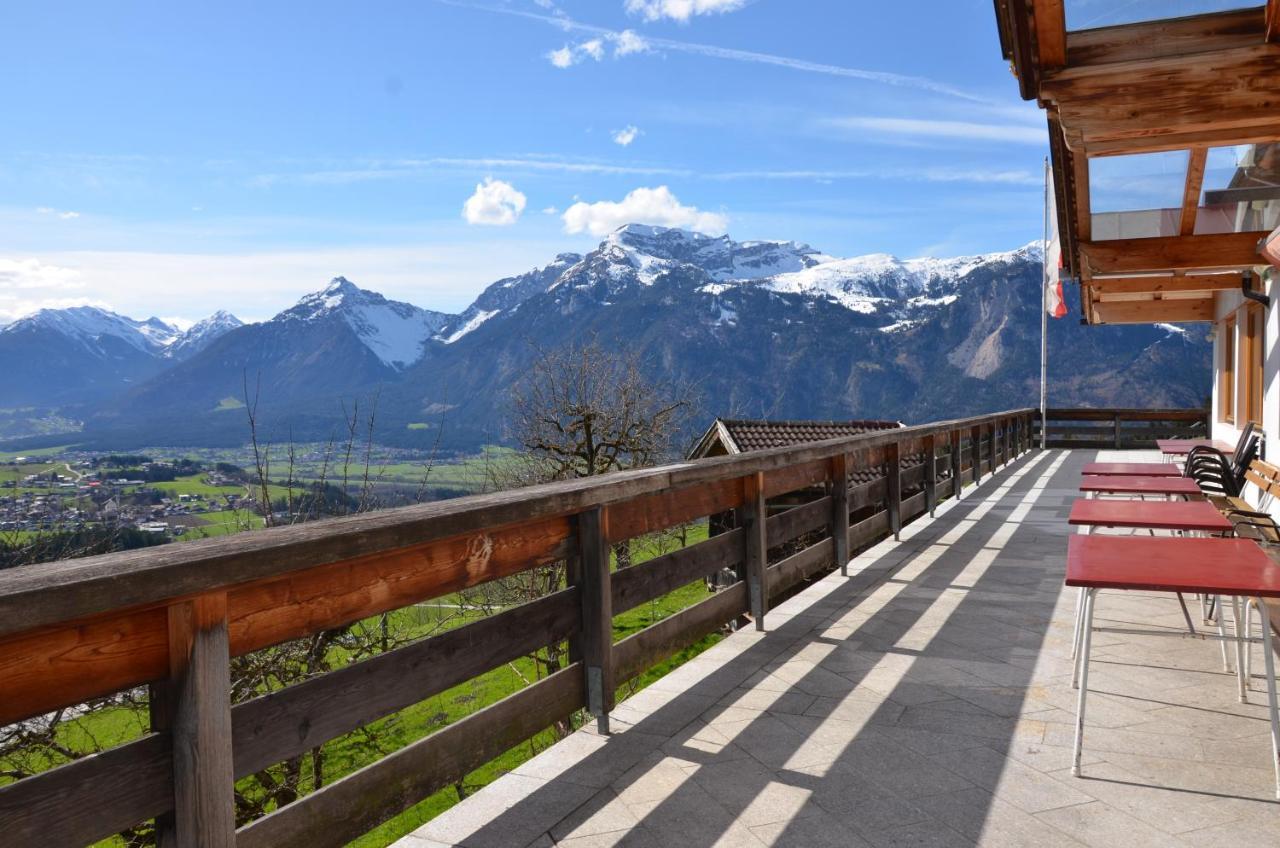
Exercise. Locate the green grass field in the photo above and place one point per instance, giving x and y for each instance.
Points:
(9, 456)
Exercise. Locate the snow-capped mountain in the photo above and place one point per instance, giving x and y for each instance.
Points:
(201, 334)
(766, 328)
(89, 326)
(395, 332)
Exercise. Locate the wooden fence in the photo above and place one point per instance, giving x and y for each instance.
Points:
(1123, 429)
(172, 617)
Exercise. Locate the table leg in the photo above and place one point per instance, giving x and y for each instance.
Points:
(1222, 632)
(1269, 661)
(1083, 666)
(1075, 633)
(1248, 645)
(1237, 617)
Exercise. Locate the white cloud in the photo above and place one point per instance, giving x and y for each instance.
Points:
(681, 10)
(593, 48)
(495, 203)
(626, 135)
(550, 210)
(65, 215)
(930, 128)
(627, 42)
(34, 274)
(656, 206)
(562, 58)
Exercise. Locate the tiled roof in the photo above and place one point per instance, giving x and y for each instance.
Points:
(760, 435)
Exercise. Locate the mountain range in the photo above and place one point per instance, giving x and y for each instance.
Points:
(766, 328)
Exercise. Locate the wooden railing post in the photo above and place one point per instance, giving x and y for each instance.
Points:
(957, 483)
(1116, 423)
(197, 707)
(893, 487)
(931, 473)
(597, 613)
(976, 449)
(840, 510)
(1008, 440)
(998, 433)
(757, 541)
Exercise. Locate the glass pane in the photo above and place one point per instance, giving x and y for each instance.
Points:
(1137, 196)
(1088, 14)
(1241, 190)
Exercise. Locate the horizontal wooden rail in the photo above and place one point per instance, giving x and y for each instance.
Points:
(1120, 429)
(82, 629)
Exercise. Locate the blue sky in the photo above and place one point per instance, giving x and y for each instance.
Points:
(171, 160)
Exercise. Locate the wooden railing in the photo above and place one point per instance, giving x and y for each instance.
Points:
(172, 617)
(1124, 429)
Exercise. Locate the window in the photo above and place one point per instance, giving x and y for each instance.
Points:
(1227, 371)
(1249, 396)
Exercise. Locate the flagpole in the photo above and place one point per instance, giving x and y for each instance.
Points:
(1044, 314)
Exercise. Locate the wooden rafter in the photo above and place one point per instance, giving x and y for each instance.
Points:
(1154, 312)
(1051, 33)
(1172, 253)
(1191, 190)
(1272, 32)
(1162, 38)
(1164, 285)
(1221, 95)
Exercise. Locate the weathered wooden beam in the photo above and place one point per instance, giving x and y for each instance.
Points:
(597, 614)
(88, 800)
(204, 805)
(645, 648)
(795, 568)
(1171, 253)
(975, 445)
(1165, 284)
(840, 510)
(1148, 40)
(757, 545)
(1191, 190)
(893, 492)
(652, 579)
(272, 611)
(1051, 34)
(795, 522)
(667, 509)
(282, 724)
(1181, 140)
(1210, 92)
(1272, 23)
(350, 807)
(1155, 311)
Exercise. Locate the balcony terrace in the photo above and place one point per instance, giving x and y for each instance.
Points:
(919, 695)
(924, 699)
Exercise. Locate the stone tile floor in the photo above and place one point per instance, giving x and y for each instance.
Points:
(923, 700)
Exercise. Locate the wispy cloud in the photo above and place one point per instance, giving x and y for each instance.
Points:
(730, 54)
(942, 129)
(62, 214)
(681, 10)
(404, 168)
(410, 168)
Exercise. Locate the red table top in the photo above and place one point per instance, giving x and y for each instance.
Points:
(1133, 469)
(1149, 515)
(1139, 485)
(1183, 446)
(1168, 564)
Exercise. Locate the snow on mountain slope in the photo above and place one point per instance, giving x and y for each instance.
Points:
(89, 325)
(395, 332)
(868, 284)
(653, 250)
(202, 334)
(507, 294)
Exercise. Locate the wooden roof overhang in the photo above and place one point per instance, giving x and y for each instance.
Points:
(1178, 84)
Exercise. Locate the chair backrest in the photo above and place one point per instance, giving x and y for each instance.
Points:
(1241, 444)
(1244, 462)
(1266, 477)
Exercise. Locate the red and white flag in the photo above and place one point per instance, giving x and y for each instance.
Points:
(1054, 302)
